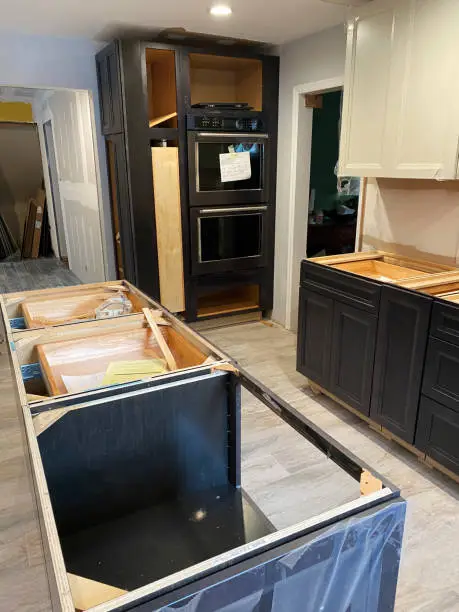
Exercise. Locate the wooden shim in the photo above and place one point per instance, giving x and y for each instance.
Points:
(88, 593)
(166, 185)
(369, 484)
(160, 339)
(225, 367)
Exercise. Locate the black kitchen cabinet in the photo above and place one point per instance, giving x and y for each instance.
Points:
(352, 355)
(120, 209)
(441, 374)
(109, 81)
(437, 433)
(403, 325)
(314, 336)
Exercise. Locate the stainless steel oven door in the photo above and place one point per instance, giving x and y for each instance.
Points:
(228, 238)
(208, 187)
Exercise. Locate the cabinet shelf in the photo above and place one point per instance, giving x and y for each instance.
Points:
(161, 86)
(215, 78)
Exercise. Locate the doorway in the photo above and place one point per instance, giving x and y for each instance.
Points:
(67, 207)
(300, 200)
(333, 201)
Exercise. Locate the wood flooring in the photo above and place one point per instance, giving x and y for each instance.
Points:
(275, 458)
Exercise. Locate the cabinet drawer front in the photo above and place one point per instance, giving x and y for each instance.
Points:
(437, 433)
(445, 322)
(346, 287)
(314, 336)
(352, 355)
(400, 351)
(441, 374)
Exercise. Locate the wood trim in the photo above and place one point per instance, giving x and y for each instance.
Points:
(329, 260)
(160, 339)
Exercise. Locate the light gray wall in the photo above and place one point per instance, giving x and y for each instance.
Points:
(314, 58)
(53, 62)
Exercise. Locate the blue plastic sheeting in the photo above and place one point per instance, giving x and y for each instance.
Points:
(350, 567)
(18, 323)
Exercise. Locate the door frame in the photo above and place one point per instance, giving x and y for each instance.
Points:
(300, 160)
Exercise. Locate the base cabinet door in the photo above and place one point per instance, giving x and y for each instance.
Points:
(314, 336)
(400, 350)
(437, 433)
(352, 355)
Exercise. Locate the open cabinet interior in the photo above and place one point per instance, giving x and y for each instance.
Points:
(215, 78)
(162, 88)
(171, 499)
(228, 301)
(76, 358)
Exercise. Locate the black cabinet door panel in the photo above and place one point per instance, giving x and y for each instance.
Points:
(314, 336)
(352, 355)
(441, 374)
(109, 81)
(400, 350)
(437, 433)
(348, 288)
(445, 322)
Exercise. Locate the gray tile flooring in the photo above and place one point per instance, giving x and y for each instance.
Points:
(34, 274)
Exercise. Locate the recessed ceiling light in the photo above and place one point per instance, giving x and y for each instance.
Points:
(221, 10)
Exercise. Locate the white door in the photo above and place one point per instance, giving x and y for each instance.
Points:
(371, 45)
(426, 134)
(76, 166)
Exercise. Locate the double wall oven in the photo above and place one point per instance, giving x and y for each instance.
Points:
(228, 211)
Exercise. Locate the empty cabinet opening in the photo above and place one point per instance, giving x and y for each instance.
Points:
(227, 301)
(49, 307)
(88, 356)
(162, 89)
(215, 78)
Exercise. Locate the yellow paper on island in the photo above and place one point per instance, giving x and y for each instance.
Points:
(127, 371)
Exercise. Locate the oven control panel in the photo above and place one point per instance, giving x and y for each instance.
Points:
(212, 123)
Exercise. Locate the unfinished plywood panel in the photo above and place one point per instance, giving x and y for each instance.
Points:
(379, 270)
(161, 85)
(216, 78)
(168, 226)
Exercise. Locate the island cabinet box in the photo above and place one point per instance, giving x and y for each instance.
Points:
(68, 360)
(62, 305)
(141, 508)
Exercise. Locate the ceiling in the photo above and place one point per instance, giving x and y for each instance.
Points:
(269, 21)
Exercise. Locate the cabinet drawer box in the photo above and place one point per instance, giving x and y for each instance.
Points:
(342, 286)
(437, 433)
(441, 380)
(445, 322)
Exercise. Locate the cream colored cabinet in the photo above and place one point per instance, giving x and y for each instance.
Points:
(400, 110)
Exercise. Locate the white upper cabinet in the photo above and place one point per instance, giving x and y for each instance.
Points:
(400, 108)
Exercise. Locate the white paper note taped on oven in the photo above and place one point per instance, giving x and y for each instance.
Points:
(235, 166)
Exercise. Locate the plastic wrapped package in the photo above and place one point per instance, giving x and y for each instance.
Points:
(349, 567)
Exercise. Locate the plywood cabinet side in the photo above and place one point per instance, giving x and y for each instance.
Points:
(168, 227)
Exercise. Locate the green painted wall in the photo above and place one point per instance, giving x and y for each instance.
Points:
(325, 150)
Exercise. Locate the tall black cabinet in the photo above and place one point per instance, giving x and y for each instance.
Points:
(148, 92)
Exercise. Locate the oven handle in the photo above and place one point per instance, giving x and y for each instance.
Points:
(253, 135)
(241, 209)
